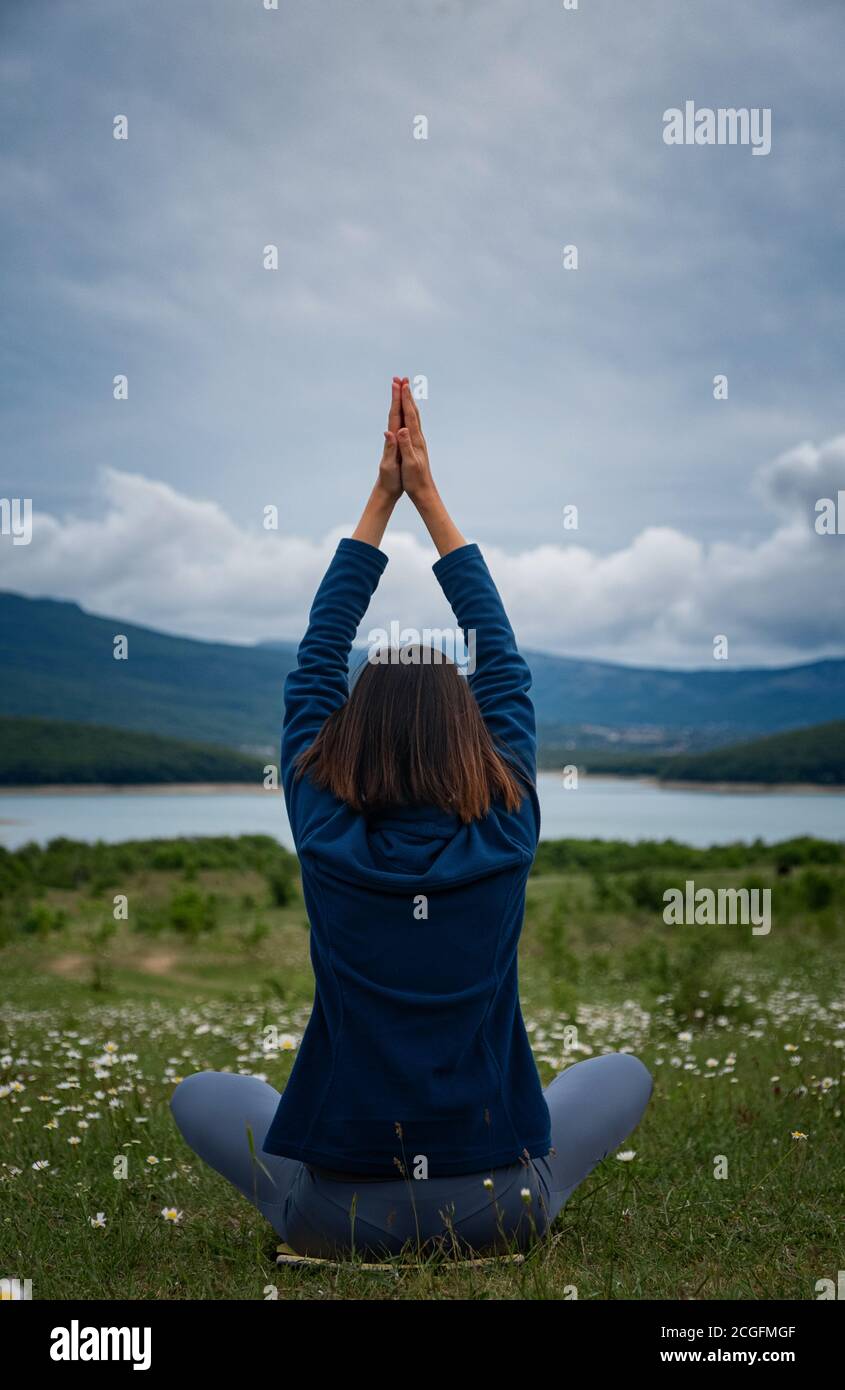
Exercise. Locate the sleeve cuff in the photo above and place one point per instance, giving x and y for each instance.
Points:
(455, 557)
(366, 552)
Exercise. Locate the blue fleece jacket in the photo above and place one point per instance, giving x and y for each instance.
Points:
(416, 1045)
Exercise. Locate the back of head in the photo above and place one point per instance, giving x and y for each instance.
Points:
(411, 733)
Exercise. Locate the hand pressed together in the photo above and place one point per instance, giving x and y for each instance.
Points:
(405, 467)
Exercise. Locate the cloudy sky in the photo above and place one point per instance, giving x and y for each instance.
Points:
(439, 258)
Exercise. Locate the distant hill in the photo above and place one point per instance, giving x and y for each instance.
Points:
(720, 702)
(44, 752)
(57, 663)
(805, 755)
(814, 755)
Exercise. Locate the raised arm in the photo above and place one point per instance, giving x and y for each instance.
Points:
(320, 683)
(499, 679)
(499, 676)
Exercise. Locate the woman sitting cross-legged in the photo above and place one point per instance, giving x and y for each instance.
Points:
(414, 1113)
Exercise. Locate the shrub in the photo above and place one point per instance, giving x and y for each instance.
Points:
(816, 890)
(39, 920)
(645, 892)
(192, 912)
(280, 883)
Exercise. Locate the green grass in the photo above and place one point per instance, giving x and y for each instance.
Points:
(216, 948)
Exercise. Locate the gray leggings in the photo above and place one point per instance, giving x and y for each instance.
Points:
(594, 1105)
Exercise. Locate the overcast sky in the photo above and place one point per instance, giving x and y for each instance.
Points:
(438, 257)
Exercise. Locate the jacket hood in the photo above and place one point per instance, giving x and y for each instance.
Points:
(415, 848)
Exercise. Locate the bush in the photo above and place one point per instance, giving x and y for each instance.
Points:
(608, 894)
(192, 912)
(39, 920)
(816, 890)
(646, 893)
(280, 883)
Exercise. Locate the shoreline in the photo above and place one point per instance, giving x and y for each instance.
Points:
(253, 789)
(741, 788)
(140, 789)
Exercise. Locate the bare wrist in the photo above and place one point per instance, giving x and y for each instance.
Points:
(382, 498)
(426, 497)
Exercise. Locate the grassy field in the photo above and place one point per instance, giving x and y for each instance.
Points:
(744, 1035)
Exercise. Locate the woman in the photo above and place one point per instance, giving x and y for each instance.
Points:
(414, 1111)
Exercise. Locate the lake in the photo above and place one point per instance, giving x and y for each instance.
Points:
(601, 807)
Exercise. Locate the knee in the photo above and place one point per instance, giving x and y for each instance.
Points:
(188, 1095)
(637, 1075)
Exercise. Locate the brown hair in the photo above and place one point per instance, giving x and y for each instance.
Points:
(411, 733)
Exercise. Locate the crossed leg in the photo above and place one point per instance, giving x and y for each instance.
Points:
(216, 1111)
(594, 1105)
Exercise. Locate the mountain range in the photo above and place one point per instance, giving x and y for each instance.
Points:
(57, 662)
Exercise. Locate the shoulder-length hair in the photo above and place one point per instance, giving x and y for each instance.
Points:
(411, 733)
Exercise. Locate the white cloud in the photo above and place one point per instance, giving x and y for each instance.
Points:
(795, 480)
(155, 556)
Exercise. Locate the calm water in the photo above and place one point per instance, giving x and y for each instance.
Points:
(601, 807)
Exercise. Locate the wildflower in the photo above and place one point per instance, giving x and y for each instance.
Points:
(488, 1184)
(74, 1139)
(40, 1164)
(98, 1221)
(797, 1134)
(525, 1194)
(627, 1155)
(171, 1214)
(152, 1160)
